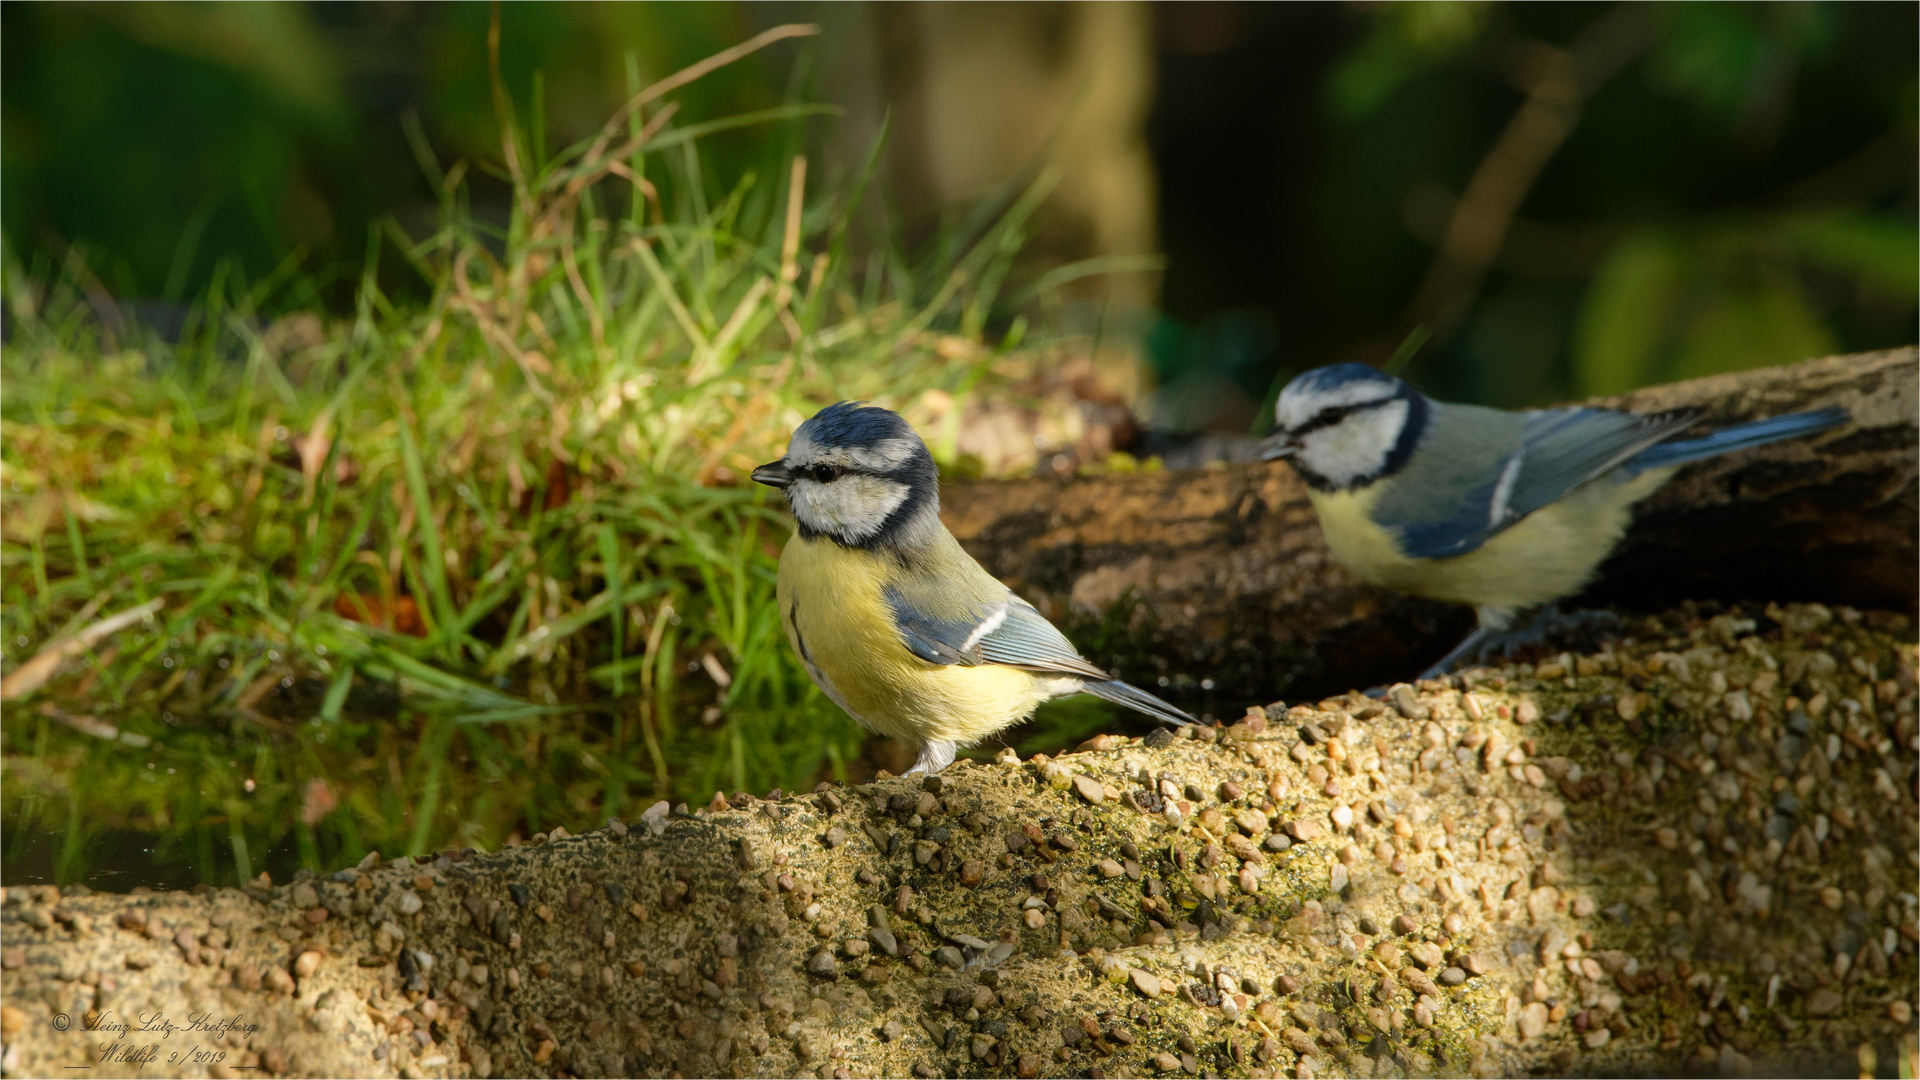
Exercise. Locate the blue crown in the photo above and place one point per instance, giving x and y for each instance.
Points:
(854, 424)
(1334, 376)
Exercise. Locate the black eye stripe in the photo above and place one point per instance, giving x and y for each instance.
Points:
(1333, 414)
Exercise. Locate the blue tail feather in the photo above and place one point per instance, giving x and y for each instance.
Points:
(1138, 700)
(1738, 437)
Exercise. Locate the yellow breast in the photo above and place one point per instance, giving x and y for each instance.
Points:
(837, 619)
(1549, 554)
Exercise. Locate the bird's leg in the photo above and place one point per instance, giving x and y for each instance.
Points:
(1471, 645)
(934, 756)
(1550, 624)
(1493, 622)
(1494, 634)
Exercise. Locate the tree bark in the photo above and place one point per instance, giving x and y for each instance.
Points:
(1691, 852)
(1233, 582)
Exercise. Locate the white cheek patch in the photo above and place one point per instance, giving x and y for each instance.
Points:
(853, 507)
(1357, 447)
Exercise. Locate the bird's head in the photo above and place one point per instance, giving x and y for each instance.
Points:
(1346, 425)
(858, 475)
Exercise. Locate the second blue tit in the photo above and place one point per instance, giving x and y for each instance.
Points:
(892, 619)
(1501, 510)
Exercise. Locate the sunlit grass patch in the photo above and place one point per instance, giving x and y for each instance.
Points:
(454, 572)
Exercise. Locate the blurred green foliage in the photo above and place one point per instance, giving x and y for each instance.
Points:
(453, 571)
(1306, 160)
(1737, 188)
(166, 137)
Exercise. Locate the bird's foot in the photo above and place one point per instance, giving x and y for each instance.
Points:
(1550, 628)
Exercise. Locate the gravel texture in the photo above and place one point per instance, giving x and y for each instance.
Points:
(1692, 851)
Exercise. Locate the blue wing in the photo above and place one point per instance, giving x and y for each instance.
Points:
(1559, 451)
(1011, 632)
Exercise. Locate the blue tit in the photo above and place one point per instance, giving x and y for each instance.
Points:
(893, 620)
(1501, 510)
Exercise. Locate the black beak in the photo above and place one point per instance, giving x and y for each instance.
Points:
(774, 474)
(1276, 445)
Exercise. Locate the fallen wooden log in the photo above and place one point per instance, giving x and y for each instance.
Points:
(1222, 574)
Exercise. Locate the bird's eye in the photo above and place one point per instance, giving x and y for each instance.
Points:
(825, 474)
(1329, 416)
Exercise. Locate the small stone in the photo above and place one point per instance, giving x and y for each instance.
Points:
(835, 837)
(423, 883)
(1420, 981)
(12, 1021)
(1166, 1062)
(1342, 817)
(1404, 701)
(1533, 1020)
(306, 964)
(883, 939)
(1090, 790)
(1477, 963)
(1597, 1038)
(522, 896)
(1146, 982)
(1337, 878)
(1027, 1066)
(1034, 918)
(972, 871)
(1899, 1012)
(1823, 1002)
(1305, 831)
(1277, 843)
(1109, 869)
(892, 1030)
(408, 903)
(823, 965)
(1426, 954)
(949, 956)
(1452, 976)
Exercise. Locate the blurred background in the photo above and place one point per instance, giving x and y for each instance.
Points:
(1554, 200)
(378, 393)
